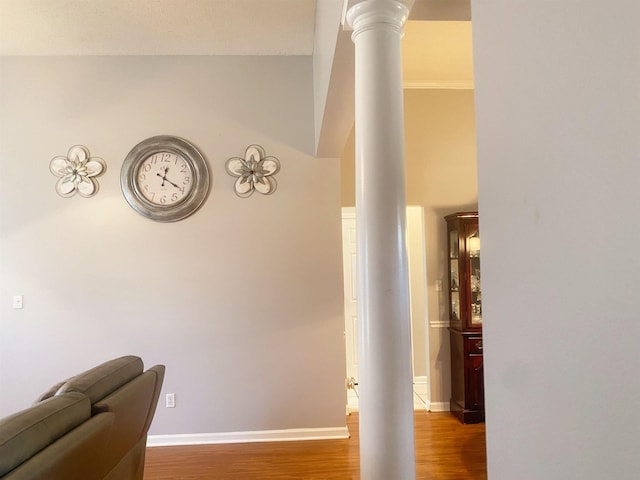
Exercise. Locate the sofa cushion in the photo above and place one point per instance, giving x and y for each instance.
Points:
(104, 379)
(27, 432)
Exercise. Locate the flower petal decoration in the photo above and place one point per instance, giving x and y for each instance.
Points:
(76, 172)
(254, 172)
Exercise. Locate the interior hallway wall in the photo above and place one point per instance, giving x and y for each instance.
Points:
(558, 117)
(440, 176)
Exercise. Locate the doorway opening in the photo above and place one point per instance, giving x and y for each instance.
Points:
(418, 306)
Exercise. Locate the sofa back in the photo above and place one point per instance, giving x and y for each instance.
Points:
(98, 382)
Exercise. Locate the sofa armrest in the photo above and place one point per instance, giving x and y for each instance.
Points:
(29, 431)
(130, 404)
(80, 454)
(159, 371)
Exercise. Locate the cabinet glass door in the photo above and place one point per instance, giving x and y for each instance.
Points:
(473, 246)
(454, 276)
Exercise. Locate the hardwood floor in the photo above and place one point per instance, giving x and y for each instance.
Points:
(445, 450)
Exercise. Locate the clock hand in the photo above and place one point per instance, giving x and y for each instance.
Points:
(163, 179)
(172, 183)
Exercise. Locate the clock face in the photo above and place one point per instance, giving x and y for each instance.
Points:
(165, 178)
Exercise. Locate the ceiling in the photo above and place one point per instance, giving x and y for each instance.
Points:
(157, 27)
(435, 53)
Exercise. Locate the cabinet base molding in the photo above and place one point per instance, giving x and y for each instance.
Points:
(465, 415)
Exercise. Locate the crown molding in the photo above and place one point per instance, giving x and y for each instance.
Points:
(461, 85)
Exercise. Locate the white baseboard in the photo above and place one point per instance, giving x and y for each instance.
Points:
(439, 407)
(352, 401)
(289, 435)
(420, 393)
(439, 324)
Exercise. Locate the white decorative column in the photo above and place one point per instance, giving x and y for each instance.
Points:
(384, 328)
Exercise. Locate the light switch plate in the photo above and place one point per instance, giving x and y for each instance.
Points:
(17, 301)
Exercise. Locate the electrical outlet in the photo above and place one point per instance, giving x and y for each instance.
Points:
(170, 400)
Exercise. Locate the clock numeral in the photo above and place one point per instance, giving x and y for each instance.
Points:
(187, 180)
(166, 157)
(174, 197)
(184, 168)
(142, 177)
(163, 199)
(146, 187)
(146, 167)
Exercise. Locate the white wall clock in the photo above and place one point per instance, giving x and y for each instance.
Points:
(165, 178)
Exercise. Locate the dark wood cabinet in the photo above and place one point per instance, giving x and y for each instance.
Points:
(465, 316)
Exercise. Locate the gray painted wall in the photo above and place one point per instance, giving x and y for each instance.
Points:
(327, 27)
(558, 118)
(242, 301)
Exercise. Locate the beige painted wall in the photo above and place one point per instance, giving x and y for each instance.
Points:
(440, 151)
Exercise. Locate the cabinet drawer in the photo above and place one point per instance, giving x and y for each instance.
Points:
(473, 345)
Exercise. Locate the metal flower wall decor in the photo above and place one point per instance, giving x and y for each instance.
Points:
(77, 172)
(254, 172)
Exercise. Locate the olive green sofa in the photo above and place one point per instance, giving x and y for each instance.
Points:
(91, 426)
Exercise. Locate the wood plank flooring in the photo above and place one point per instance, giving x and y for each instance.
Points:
(445, 450)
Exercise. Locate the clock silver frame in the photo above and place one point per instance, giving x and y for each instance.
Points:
(186, 206)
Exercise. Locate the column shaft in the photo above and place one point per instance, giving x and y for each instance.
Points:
(384, 336)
